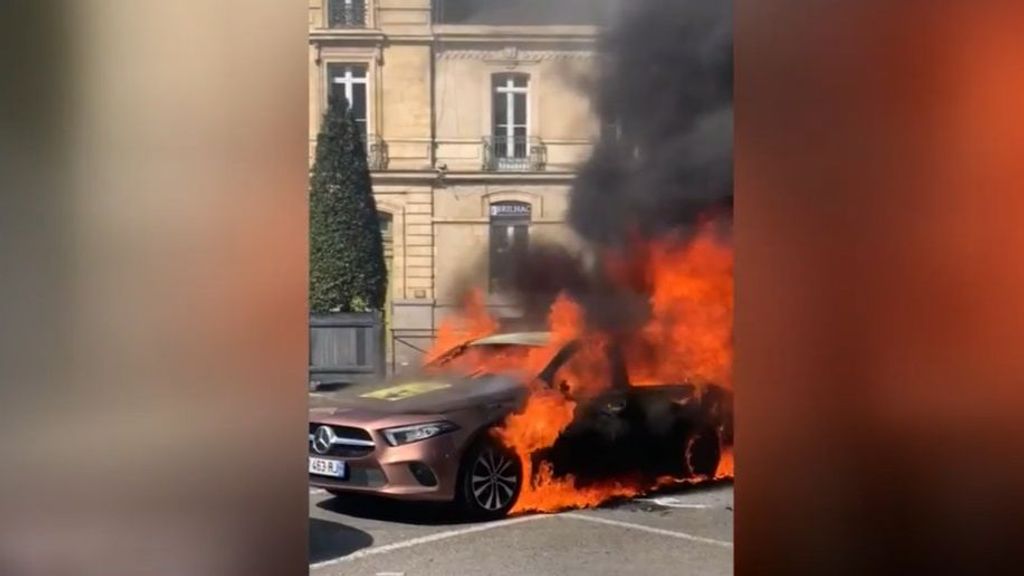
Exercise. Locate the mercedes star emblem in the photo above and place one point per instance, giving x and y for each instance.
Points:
(323, 439)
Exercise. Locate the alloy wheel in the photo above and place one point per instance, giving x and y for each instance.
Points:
(493, 480)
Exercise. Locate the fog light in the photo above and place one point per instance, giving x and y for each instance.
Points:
(423, 474)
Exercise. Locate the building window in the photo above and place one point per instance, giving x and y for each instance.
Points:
(349, 82)
(386, 229)
(387, 235)
(612, 133)
(510, 239)
(346, 13)
(509, 148)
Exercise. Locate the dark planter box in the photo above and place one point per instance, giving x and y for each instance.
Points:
(345, 348)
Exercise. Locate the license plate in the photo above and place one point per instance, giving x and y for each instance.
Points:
(327, 467)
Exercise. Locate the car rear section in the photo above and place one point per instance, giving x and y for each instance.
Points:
(653, 431)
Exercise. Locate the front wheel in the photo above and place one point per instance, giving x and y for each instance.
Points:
(489, 480)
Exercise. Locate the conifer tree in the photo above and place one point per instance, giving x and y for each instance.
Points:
(347, 272)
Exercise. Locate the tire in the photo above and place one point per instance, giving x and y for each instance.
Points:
(703, 451)
(490, 479)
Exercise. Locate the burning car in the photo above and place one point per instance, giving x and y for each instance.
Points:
(433, 437)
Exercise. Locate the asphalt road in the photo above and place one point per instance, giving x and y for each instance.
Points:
(682, 531)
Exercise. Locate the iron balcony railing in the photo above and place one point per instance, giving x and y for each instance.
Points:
(514, 154)
(346, 13)
(376, 152)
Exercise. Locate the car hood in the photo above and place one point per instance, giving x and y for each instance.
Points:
(431, 394)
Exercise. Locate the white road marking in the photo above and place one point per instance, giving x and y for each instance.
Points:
(390, 573)
(313, 491)
(375, 550)
(641, 527)
(672, 502)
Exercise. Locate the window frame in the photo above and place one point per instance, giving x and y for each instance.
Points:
(327, 4)
(510, 224)
(507, 91)
(349, 67)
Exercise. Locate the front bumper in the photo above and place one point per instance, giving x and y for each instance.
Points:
(389, 470)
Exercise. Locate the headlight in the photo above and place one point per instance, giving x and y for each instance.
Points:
(415, 433)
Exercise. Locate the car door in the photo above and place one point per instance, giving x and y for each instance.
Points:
(617, 429)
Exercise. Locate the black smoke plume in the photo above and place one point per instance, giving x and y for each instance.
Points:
(664, 97)
(548, 270)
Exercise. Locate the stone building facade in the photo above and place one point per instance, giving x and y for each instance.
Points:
(473, 132)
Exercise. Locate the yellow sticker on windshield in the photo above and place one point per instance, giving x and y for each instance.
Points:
(403, 391)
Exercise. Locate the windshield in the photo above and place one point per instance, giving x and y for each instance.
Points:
(475, 359)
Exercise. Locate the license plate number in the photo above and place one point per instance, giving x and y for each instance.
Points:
(327, 467)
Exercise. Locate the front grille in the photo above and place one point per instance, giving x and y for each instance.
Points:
(362, 441)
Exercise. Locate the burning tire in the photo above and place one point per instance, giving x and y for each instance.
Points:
(703, 451)
(489, 480)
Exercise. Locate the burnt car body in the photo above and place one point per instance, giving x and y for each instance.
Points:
(427, 437)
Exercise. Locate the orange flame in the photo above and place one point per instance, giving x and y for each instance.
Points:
(725, 465)
(689, 333)
(545, 416)
(471, 322)
(687, 338)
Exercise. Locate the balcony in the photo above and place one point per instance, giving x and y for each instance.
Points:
(346, 13)
(514, 154)
(376, 153)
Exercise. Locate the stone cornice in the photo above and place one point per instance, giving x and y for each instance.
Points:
(349, 34)
(583, 36)
(439, 180)
(512, 54)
